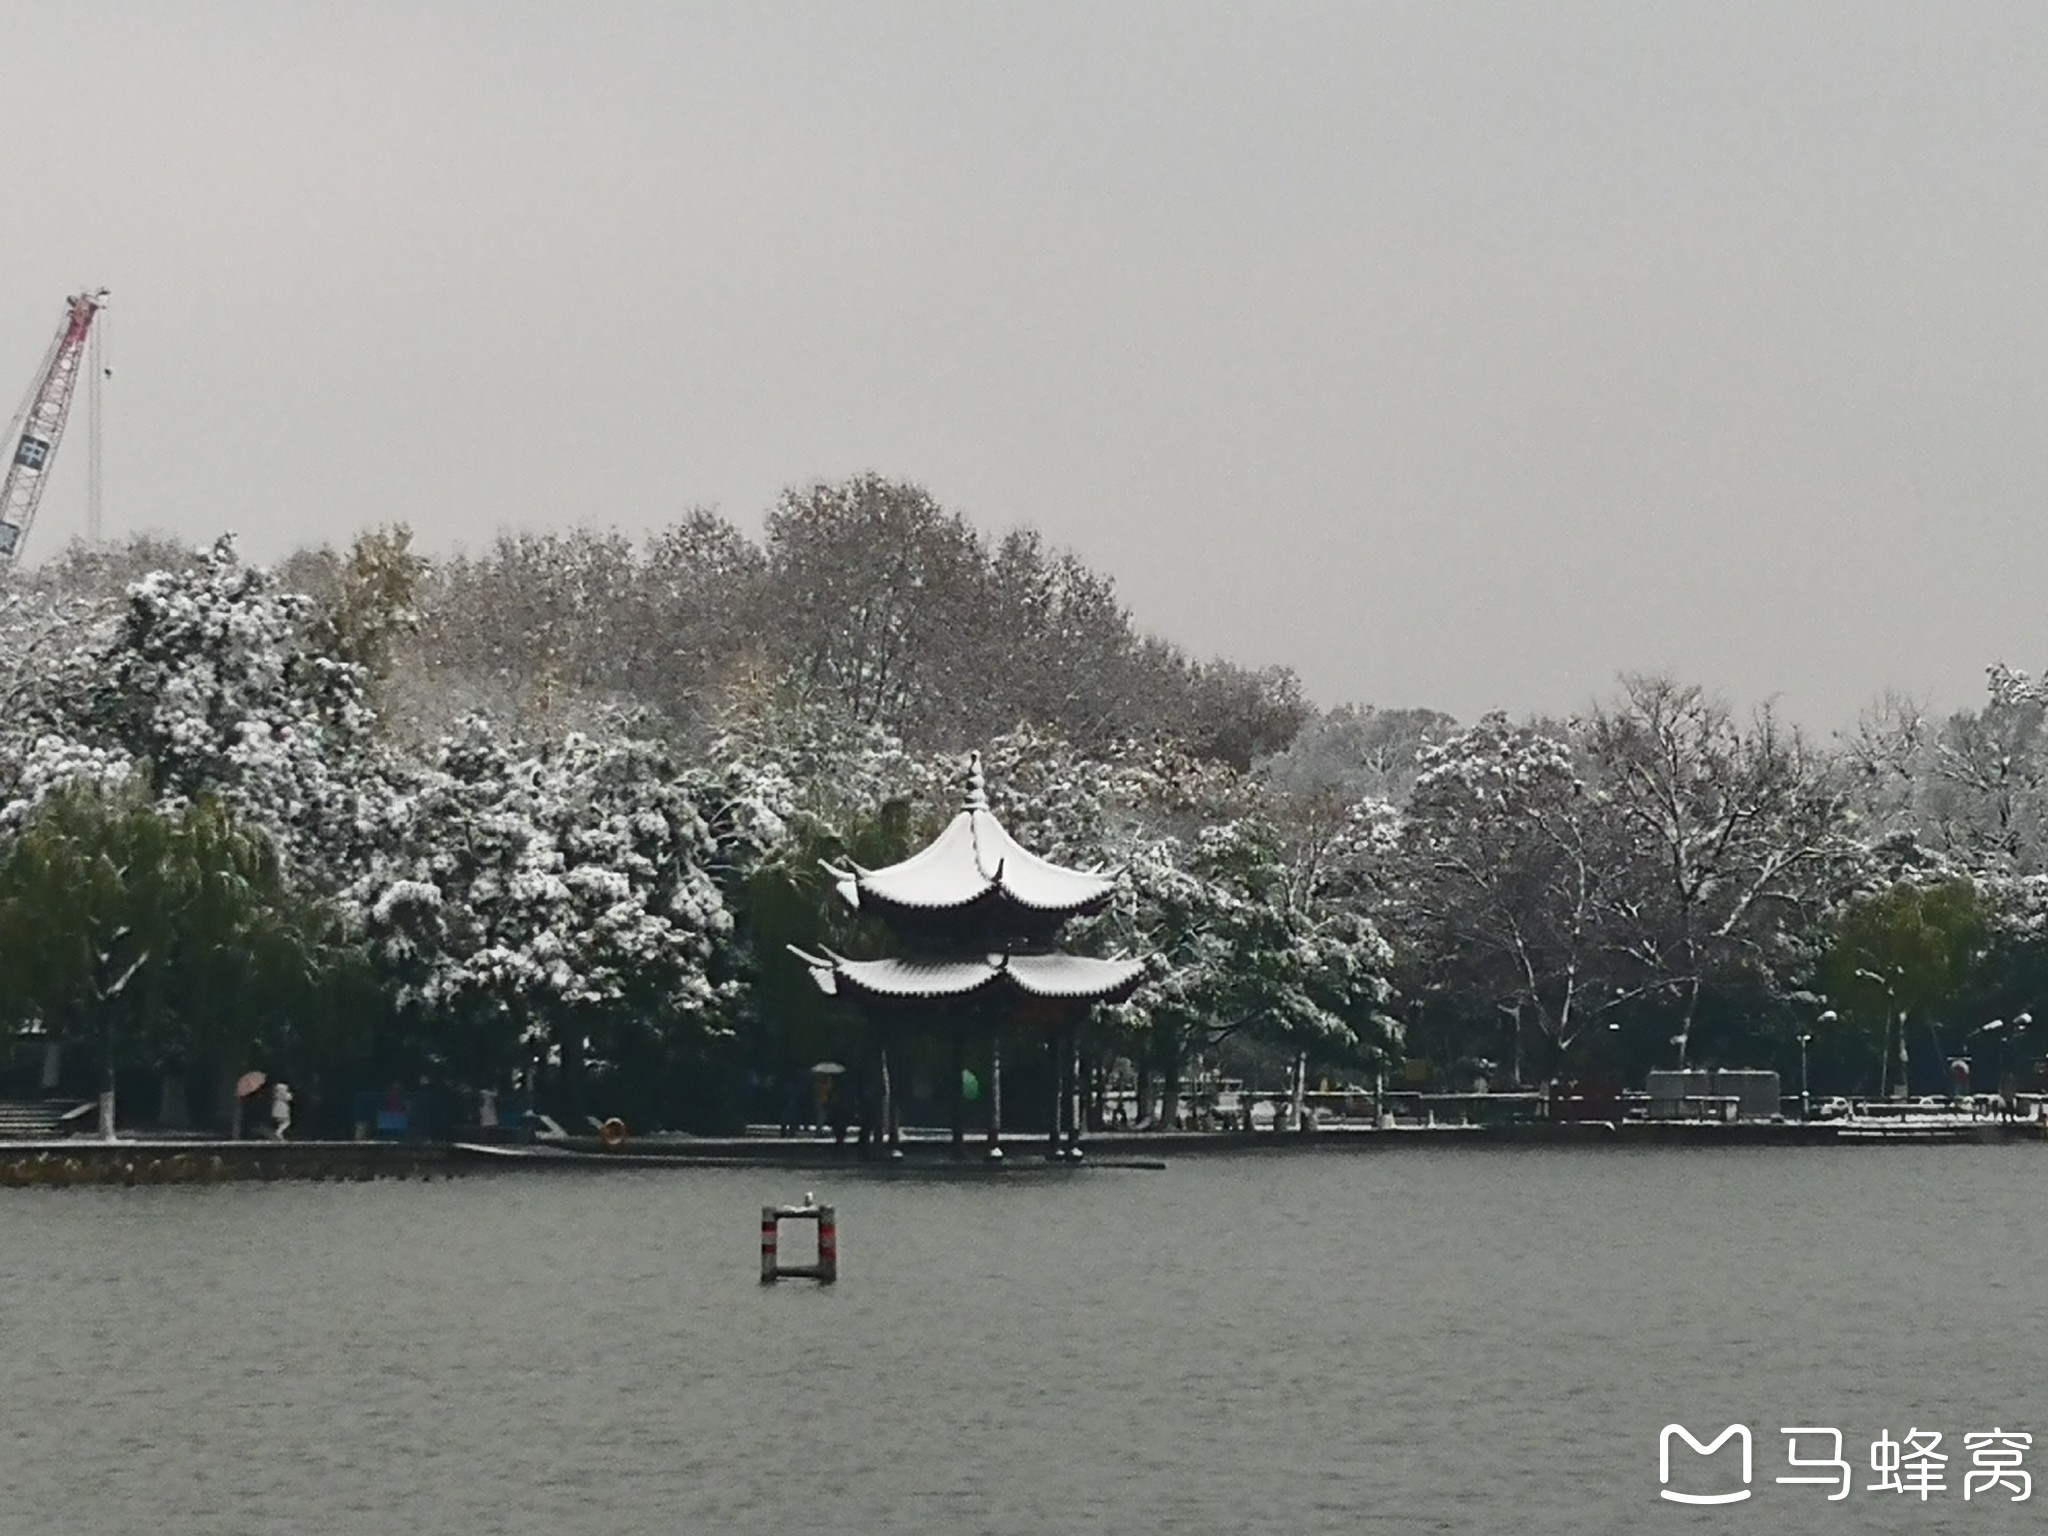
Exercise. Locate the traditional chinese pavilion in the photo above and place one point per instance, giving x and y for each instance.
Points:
(977, 916)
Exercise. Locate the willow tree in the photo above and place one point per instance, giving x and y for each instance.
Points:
(154, 937)
(1904, 956)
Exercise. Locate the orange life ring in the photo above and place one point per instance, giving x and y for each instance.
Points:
(613, 1132)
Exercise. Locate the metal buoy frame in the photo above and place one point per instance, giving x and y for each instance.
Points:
(826, 1270)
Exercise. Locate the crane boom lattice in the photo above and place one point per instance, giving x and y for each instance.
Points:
(38, 428)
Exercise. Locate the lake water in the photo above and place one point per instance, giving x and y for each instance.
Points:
(1454, 1340)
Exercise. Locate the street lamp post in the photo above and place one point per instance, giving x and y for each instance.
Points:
(1891, 993)
(2005, 1032)
(1805, 1093)
(2010, 1101)
(1959, 1069)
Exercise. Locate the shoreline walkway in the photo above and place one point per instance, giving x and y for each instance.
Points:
(141, 1159)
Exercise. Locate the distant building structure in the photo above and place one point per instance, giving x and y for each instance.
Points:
(1713, 1094)
(977, 917)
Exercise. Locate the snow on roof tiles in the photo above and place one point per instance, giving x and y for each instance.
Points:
(1074, 975)
(971, 858)
(1070, 977)
(916, 978)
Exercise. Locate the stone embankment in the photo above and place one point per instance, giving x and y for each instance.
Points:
(80, 1161)
(47, 1164)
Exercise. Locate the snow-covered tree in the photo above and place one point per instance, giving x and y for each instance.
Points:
(53, 764)
(1503, 858)
(1258, 933)
(642, 914)
(1731, 844)
(211, 681)
(537, 905)
(1354, 753)
(458, 891)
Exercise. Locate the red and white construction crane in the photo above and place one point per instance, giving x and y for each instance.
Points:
(38, 427)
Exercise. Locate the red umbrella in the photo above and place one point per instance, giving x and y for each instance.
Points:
(249, 1083)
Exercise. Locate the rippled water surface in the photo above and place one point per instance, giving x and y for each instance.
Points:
(1394, 1340)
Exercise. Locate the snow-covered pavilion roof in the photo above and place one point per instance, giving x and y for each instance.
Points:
(1066, 978)
(973, 859)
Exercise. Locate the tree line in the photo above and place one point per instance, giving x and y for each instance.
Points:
(541, 819)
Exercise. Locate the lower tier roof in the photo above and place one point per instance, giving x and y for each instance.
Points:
(1068, 978)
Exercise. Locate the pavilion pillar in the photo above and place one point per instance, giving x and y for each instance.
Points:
(1056, 1056)
(895, 1119)
(959, 1091)
(886, 1136)
(1077, 1090)
(995, 1094)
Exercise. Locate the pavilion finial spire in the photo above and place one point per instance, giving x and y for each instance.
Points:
(977, 787)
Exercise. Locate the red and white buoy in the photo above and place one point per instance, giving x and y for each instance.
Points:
(826, 1270)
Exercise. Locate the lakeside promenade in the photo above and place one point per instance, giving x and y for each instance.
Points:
(143, 1160)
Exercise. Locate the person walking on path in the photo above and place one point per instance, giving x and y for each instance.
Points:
(280, 1110)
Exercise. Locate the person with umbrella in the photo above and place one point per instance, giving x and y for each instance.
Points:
(247, 1086)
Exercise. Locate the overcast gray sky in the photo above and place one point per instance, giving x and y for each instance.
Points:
(1454, 354)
